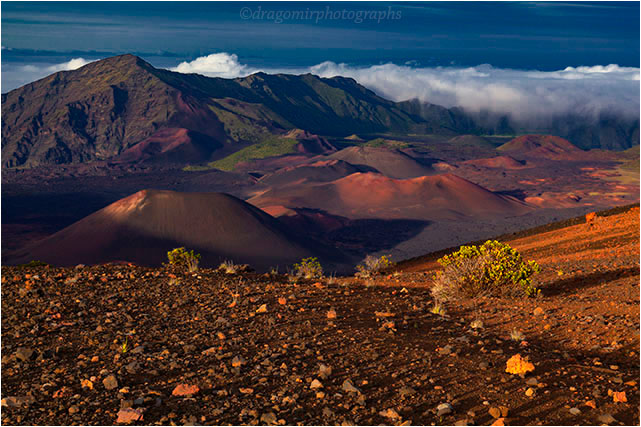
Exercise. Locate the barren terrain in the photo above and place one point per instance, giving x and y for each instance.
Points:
(94, 345)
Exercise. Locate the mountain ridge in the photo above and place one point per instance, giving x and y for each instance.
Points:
(103, 108)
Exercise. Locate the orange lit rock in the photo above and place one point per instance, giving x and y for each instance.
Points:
(185, 390)
(518, 366)
(619, 396)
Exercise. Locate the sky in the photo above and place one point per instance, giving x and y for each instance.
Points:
(477, 55)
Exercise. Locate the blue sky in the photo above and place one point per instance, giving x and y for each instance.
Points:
(39, 38)
(538, 35)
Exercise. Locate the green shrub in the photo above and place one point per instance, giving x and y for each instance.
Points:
(34, 263)
(372, 265)
(308, 268)
(180, 257)
(494, 268)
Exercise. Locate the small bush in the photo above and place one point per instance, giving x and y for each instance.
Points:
(308, 268)
(438, 309)
(493, 268)
(180, 257)
(372, 265)
(517, 335)
(124, 346)
(228, 267)
(34, 263)
(331, 279)
(476, 324)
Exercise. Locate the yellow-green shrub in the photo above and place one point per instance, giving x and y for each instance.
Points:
(494, 268)
(180, 257)
(308, 268)
(372, 265)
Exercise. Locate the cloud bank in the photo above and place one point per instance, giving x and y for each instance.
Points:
(525, 95)
(16, 76)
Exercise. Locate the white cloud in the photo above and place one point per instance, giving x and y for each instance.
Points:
(16, 76)
(215, 65)
(523, 94)
(530, 95)
(73, 64)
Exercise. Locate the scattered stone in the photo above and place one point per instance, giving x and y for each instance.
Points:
(24, 354)
(391, 414)
(575, 411)
(494, 412)
(268, 418)
(606, 419)
(129, 415)
(331, 314)
(406, 391)
(209, 352)
(132, 367)
(349, 387)
(185, 390)
(619, 397)
(529, 392)
(237, 361)
(14, 401)
(499, 422)
(444, 409)
(532, 381)
(324, 371)
(538, 311)
(74, 409)
(328, 413)
(262, 309)
(446, 350)
(110, 382)
(188, 348)
(518, 366)
(315, 385)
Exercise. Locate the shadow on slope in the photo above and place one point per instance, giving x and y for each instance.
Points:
(574, 284)
(141, 228)
(357, 237)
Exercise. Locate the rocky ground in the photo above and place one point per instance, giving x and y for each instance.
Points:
(126, 344)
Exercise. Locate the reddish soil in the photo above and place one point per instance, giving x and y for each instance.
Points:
(371, 195)
(390, 162)
(63, 330)
(546, 146)
(172, 145)
(499, 162)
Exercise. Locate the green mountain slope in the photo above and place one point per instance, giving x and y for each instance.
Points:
(103, 108)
